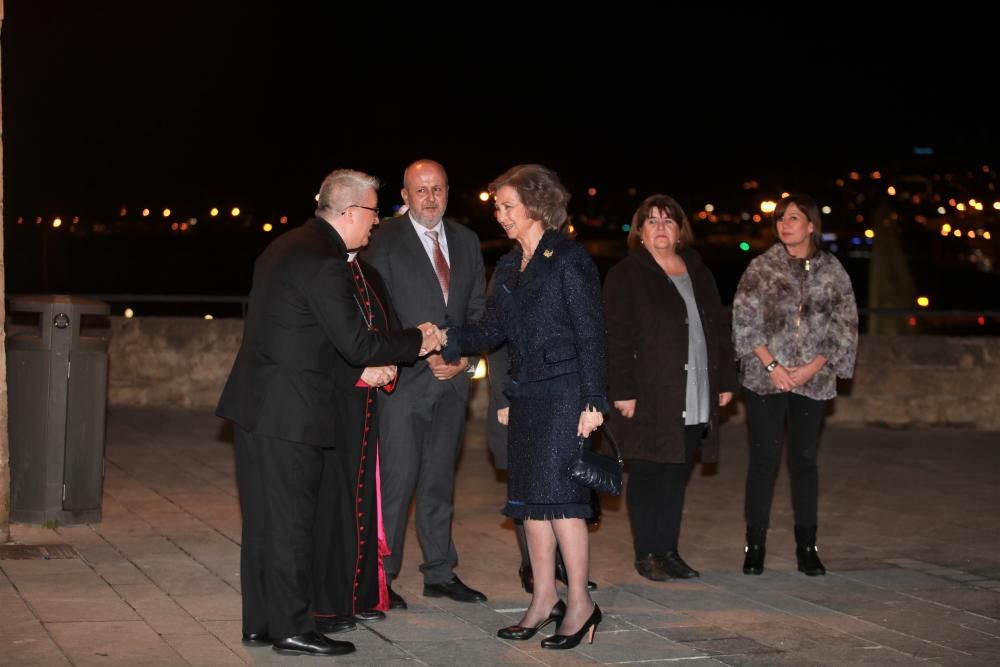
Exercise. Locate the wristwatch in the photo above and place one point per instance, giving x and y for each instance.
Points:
(771, 366)
(471, 368)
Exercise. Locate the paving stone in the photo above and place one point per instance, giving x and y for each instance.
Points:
(159, 611)
(23, 639)
(117, 644)
(65, 590)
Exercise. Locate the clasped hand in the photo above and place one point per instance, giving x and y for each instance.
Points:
(434, 339)
(378, 376)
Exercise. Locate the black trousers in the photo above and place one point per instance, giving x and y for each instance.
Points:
(767, 415)
(656, 498)
(278, 483)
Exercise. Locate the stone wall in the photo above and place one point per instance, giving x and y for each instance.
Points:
(905, 381)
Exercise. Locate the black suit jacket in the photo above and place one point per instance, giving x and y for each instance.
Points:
(398, 254)
(302, 316)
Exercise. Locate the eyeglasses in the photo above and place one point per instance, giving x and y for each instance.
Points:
(373, 209)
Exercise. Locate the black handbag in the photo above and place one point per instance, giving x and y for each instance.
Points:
(597, 471)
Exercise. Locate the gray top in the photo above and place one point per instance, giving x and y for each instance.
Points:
(698, 407)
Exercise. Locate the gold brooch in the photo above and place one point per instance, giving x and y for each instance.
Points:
(548, 253)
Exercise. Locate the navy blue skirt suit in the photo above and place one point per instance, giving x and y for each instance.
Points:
(552, 319)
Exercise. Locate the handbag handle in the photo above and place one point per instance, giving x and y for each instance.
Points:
(610, 438)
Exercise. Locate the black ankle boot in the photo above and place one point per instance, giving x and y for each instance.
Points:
(806, 553)
(527, 578)
(753, 563)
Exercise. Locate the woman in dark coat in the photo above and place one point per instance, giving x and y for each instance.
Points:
(547, 308)
(672, 368)
(349, 578)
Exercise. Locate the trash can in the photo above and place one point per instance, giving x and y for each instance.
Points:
(57, 394)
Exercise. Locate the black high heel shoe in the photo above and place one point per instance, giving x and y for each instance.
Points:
(570, 641)
(520, 632)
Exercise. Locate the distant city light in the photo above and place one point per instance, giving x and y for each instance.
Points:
(859, 218)
(235, 212)
(75, 220)
(786, 195)
(484, 196)
(631, 192)
(214, 212)
(592, 191)
(767, 206)
(129, 313)
(986, 235)
(827, 210)
(942, 210)
(209, 317)
(709, 207)
(145, 212)
(972, 234)
(267, 227)
(981, 321)
(166, 213)
(960, 206)
(876, 175)
(184, 226)
(891, 190)
(923, 301)
(946, 228)
(744, 246)
(283, 219)
(122, 212)
(957, 232)
(869, 233)
(174, 226)
(912, 322)
(626, 227)
(854, 176)
(57, 223)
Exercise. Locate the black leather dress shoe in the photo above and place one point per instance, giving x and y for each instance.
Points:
(674, 567)
(455, 590)
(331, 625)
(396, 601)
(311, 643)
(256, 639)
(370, 616)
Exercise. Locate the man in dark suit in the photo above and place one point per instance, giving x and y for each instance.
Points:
(302, 314)
(433, 269)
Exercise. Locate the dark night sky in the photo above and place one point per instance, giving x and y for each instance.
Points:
(189, 103)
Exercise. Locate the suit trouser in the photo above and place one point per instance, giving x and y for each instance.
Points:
(279, 484)
(656, 498)
(766, 414)
(420, 437)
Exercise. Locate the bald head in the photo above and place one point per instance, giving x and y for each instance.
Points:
(425, 191)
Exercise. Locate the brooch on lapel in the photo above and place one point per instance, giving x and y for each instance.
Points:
(548, 253)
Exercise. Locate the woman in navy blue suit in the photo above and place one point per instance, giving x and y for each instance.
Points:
(547, 307)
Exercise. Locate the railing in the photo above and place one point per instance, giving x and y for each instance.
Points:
(918, 320)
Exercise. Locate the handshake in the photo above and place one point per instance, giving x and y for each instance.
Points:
(434, 338)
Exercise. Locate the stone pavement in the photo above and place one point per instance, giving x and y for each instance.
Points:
(909, 533)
